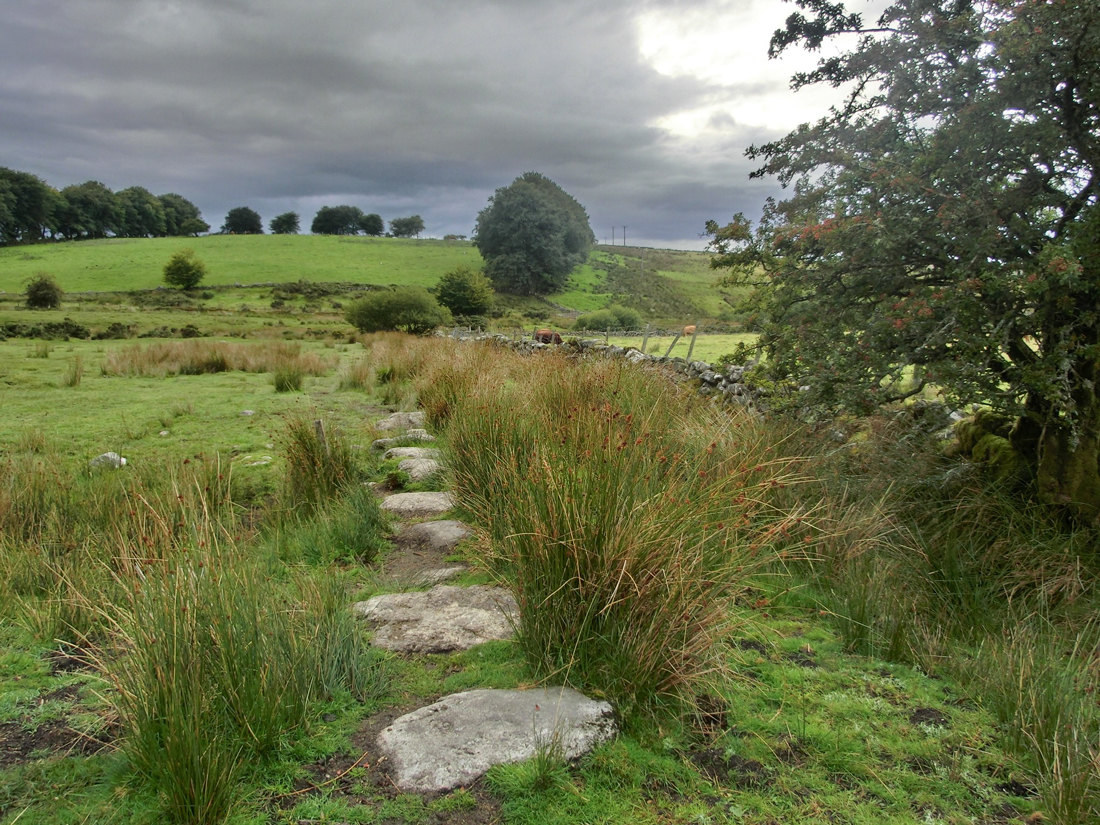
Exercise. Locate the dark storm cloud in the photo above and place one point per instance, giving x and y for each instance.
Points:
(423, 106)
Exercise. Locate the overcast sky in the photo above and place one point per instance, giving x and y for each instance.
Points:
(640, 109)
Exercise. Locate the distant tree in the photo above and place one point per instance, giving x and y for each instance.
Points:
(285, 224)
(177, 212)
(184, 270)
(465, 291)
(372, 224)
(88, 210)
(141, 214)
(407, 309)
(532, 235)
(193, 226)
(337, 220)
(43, 292)
(28, 207)
(243, 221)
(407, 227)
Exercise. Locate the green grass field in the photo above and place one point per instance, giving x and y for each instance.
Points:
(121, 264)
(678, 287)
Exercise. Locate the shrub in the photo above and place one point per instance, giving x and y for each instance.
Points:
(614, 317)
(408, 309)
(184, 270)
(465, 291)
(43, 292)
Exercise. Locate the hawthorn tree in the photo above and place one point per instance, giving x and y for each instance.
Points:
(532, 235)
(287, 223)
(241, 220)
(184, 270)
(337, 220)
(465, 291)
(944, 225)
(407, 227)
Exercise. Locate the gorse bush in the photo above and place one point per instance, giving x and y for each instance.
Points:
(184, 270)
(43, 292)
(613, 318)
(465, 291)
(406, 309)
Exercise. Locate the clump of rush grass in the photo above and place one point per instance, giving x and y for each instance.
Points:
(625, 516)
(70, 539)
(74, 372)
(198, 357)
(288, 377)
(209, 671)
(358, 375)
(320, 464)
(1043, 694)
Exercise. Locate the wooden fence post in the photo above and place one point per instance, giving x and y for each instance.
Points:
(691, 346)
(645, 336)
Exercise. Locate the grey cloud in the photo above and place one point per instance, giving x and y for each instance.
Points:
(423, 106)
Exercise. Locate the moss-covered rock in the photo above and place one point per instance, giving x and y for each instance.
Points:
(999, 459)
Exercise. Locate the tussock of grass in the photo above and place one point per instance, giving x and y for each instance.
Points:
(624, 515)
(199, 357)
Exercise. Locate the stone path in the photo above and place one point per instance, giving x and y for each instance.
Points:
(454, 741)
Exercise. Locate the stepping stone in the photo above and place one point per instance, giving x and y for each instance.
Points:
(441, 536)
(413, 452)
(456, 740)
(437, 576)
(411, 435)
(407, 505)
(401, 421)
(420, 468)
(440, 620)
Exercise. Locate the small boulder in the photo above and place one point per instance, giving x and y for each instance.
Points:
(413, 452)
(410, 505)
(439, 620)
(441, 536)
(419, 469)
(401, 421)
(411, 435)
(456, 740)
(107, 461)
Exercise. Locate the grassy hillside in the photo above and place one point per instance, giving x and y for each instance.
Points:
(120, 264)
(665, 285)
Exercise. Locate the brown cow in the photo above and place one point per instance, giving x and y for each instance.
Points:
(688, 330)
(547, 336)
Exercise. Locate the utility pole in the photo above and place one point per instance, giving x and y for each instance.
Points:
(612, 236)
(624, 236)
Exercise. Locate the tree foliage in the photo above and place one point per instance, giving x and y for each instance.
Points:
(408, 227)
(465, 291)
(180, 215)
(184, 270)
(27, 207)
(43, 292)
(141, 214)
(373, 225)
(532, 235)
(944, 222)
(287, 223)
(614, 317)
(88, 210)
(407, 309)
(337, 220)
(243, 221)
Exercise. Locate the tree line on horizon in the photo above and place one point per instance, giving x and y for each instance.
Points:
(32, 211)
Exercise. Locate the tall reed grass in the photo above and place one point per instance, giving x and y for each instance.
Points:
(625, 515)
(199, 357)
(214, 664)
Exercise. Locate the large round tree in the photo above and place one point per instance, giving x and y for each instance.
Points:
(532, 235)
(944, 227)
